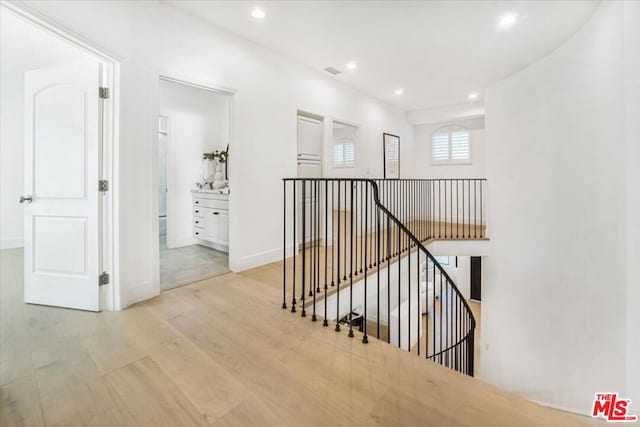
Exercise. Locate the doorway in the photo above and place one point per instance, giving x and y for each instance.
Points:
(193, 189)
(55, 126)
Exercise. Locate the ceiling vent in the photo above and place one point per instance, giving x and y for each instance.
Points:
(333, 71)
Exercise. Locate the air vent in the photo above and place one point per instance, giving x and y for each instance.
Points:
(333, 71)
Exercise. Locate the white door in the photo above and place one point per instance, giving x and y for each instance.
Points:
(61, 210)
(310, 136)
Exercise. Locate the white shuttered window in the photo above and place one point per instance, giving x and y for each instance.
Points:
(344, 153)
(451, 144)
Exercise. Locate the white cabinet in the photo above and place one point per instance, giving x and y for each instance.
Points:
(211, 219)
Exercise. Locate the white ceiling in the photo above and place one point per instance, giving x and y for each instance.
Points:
(437, 51)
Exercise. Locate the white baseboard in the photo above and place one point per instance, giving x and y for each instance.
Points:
(266, 257)
(12, 242)
(139, 293)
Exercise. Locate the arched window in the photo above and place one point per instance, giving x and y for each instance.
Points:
(450, 145)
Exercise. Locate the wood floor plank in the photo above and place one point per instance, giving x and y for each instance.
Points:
(73, 393)
(209, 387)
(149, 398)
(19, 404)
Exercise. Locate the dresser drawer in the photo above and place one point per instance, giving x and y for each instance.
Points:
(210, 203)
(198, 222)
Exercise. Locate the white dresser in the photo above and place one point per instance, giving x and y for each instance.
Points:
(211, 219)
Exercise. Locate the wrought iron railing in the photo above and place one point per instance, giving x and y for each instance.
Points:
(354, 256)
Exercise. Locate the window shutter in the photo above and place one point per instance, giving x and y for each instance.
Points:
(451, 144)
(460, 148)
(344, 154)
(440, 147)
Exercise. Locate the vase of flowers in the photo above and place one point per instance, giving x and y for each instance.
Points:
(220, 157)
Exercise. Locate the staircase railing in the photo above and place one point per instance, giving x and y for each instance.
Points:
(354, 256)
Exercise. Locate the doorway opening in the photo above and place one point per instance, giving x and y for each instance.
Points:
(56, 129)
(194, 128)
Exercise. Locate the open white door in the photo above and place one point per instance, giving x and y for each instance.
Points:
(62, 202)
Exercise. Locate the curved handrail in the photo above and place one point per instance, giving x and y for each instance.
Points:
(465, 333)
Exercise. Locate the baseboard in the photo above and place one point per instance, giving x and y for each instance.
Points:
(262, 258)
(10, 243)
(563, 409)
(139, 293)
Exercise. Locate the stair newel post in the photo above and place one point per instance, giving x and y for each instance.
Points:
(304, 243)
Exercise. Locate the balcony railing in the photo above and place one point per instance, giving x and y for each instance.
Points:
(354, 257)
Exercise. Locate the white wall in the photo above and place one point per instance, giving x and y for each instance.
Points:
(554, 298)
(198, 123)
(11, 159)
(422, 161)
(632, 108)
(150, 38)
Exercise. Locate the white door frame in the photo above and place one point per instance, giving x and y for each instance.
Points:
(233, 162)
(109, 294)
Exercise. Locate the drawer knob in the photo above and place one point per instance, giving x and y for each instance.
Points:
(216, 213)
(197, 222)
(197, 211)
(197, 202)
(197, 233)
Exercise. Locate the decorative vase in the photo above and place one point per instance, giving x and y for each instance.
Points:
(206, 171)
(218, 178)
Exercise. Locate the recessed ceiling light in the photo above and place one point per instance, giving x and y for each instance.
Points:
(398, 91)
(507, 20)
(473, 95)
(352, 65)
(258, 13)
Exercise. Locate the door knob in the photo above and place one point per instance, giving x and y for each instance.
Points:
(26, 198)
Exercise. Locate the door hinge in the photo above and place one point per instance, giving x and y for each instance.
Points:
(103, 185)
(103, 92)
(103, 279)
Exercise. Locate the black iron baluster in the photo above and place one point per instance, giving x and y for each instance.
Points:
(344, 268)
(388, 279)
(475, 214)
(481, 223)
(408, 300)
(378, 267)
(366, 225)
(325, 322)
(398, 262)
(333, 236)
(350, 316)
(314, 236)
(284, 245)
(304, 243)
(295, 246)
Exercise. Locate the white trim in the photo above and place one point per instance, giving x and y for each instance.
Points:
(234, 165)
(110, 295)
(262, 258)
(11, 243)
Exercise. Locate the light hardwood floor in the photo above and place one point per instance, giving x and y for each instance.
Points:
(223, 352)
